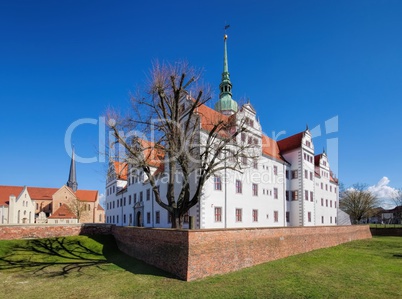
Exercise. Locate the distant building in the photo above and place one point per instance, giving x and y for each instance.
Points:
(23, 204)
(296, 186)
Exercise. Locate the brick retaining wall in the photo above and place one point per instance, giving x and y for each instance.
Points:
(23, 231)
(194, 254)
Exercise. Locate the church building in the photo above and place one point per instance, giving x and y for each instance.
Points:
(65, 205)
(288, 184)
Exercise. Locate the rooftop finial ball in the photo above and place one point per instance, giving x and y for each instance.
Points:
(225, 36)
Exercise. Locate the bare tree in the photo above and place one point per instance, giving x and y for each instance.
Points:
(79, 208)
(180, 135)
(358, 202)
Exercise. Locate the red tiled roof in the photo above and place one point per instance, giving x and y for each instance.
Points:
(6, 191)
(39, 193)
(87, 195)
(210, 117)
(291, 142)
(270, 148)
(153, 154)
(63, 212)
(121, 170)
(100, 208)
(317, 159)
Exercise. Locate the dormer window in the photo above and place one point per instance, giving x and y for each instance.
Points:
(308, 143)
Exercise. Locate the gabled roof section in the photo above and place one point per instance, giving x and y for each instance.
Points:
(63, 212)
(270, 148)
(121, 170)
(153, 153)
(87, 195)
(291, 142)
(100, 208)
(317, 159)
(39, 193)
(6, 191)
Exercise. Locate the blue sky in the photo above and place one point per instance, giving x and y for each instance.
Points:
(332, 64)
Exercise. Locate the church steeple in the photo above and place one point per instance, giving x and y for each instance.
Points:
(226, 105)
(72, 178)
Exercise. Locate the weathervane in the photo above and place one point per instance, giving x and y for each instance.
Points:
(225, 28)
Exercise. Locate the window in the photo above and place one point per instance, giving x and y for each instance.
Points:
(255, 215)
(287, 216)
(287, 195)
(135, 198)
(141, 196)
(148, 217)
(308, 143)
(157, 217)
(124, 201)
(243, 137)
(294, 174)
(275, 193)
(255, 189)
(335, 203)
(218, 214)
(330, 203)
(124, 218)
(238, 215)
(244, 160)
(275, 170)
(148, 194)
(322, 186)
(326, 202)
(322, 201)
(117, 219)
(330, 219)
(276, 216)
(238, 186)
(311, 196)
(117, 205)
(326, 187)
(131, 219)
(306, 174)
(309, 216)
(218, 183)
(255, 164)
(287, 174)
(322, 219)
(305, 194)
(129, 200)
(294, 195)
(311, 175)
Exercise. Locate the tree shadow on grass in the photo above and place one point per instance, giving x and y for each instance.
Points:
(113, 255)
(64, 255)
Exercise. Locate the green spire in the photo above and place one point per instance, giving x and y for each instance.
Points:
(226, 104)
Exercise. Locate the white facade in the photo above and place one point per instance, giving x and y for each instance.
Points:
(21, 209)
(296, 190)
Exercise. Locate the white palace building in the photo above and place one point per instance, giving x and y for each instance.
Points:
(288, 185)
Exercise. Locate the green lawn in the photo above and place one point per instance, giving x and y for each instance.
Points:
(83, 267)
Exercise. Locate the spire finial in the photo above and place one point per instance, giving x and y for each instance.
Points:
(226, 104)
(306, 127)
(72, 177)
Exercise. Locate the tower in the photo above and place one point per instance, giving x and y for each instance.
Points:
(226, 105)
(72, 178)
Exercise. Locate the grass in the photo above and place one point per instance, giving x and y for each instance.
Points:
(83, 267)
